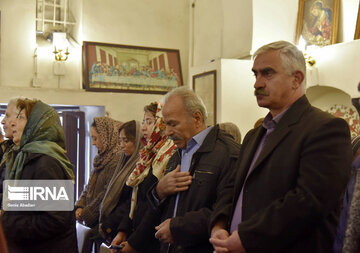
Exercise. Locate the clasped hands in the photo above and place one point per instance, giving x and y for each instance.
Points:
(223, 242)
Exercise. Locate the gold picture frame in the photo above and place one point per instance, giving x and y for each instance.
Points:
(357, 29)
(317, 22)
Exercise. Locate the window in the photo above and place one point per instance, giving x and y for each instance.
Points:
(53, 16)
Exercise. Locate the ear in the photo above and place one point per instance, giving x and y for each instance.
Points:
(298, 79)
(198, 118)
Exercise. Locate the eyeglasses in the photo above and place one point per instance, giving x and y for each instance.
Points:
(148, 122)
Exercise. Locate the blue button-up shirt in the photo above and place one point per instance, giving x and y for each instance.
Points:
(186, 154)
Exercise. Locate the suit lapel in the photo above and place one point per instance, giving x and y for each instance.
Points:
(283, 128)
(273, 140)
(249, 152)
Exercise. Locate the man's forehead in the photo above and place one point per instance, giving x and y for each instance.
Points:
(170, 116)
(267, 60)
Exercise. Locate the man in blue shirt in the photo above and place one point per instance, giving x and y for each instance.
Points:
(196, 174)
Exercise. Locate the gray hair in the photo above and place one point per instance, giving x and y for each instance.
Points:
(192, 102)
(291, 57)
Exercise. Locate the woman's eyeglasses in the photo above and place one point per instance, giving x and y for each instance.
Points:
(148, 122)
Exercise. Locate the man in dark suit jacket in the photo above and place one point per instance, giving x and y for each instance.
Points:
(292, 170)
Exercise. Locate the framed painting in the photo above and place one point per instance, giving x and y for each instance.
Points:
(357, 29)
(122, 68)
(204, 85)
(317, 22)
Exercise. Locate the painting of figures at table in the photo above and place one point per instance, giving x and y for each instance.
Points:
(130, 69)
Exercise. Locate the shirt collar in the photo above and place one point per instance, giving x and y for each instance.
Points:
(270, 122)
(198, 139)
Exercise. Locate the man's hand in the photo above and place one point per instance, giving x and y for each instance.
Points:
(102, 233)
(173, 182)
(221, 234)
(218, 231)
(78, 214)
(226, 245)
(127, 248)
(119, 238)
(163, 233)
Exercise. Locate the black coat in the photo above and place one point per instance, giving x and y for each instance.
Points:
(141, 228)
(40, 231)
(211, 167)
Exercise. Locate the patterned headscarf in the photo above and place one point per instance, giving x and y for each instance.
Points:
(151, 150)
(155, 154)
(108, 129)
(42, 134)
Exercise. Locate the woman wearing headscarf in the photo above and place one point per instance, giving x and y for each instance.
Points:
(105, 136)
(130, 136)
(39, 154)
(104, 132)
(136, 226)
(6, 145)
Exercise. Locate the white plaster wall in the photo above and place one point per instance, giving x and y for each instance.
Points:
(347, 19)
(238, 103)
(237, 28)
(273, 20)
(157, 23)
(339, 66)
(17, 42)
(221, 29)
(324, 97)
(207, 26)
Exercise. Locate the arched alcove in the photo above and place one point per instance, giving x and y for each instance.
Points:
(336, 102)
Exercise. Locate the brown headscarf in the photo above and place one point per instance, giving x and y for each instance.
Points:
(108, 129)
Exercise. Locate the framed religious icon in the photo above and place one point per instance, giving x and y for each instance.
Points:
(204, 85)
(122, 68)
(357, 29)
(317, 22)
